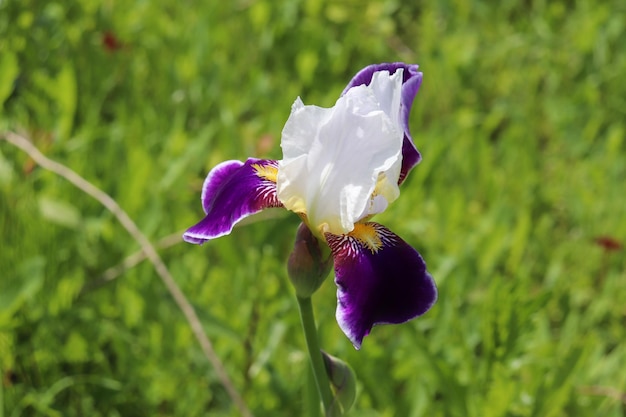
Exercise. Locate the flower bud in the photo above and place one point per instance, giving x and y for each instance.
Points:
(342, 379)
(307, 267)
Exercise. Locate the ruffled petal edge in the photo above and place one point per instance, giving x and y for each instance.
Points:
(232, 191)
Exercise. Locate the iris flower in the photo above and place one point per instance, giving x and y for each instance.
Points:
(341, 166)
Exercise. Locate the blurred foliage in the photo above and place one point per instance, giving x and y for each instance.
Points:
(521, 121)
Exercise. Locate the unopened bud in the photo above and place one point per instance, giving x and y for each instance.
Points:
(342, 379)
(308, 263)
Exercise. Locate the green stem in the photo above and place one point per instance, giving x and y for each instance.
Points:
(307, 318)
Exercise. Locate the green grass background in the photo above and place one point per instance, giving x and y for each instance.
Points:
(521, 121)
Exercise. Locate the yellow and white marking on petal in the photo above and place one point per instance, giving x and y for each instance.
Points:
(367, 235)
(268, 172)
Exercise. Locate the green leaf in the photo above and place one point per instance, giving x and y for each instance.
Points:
(76, 348)
(60, 212)
(66, 97)
(9, 69)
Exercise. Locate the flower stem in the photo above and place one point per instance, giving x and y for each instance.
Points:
(331, 408)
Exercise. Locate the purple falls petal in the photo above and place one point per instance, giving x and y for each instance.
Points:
(380, 280)
(411, 81)
(232, 191)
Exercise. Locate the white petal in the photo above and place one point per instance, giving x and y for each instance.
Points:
(333, 158)
(387, 90)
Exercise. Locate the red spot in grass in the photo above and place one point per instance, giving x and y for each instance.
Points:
(110, 42)
(608, 243)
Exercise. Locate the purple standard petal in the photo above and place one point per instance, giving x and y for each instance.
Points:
(232, 191)
(380, 280)
(411, 81)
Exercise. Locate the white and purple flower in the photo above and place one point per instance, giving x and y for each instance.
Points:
(340, 167)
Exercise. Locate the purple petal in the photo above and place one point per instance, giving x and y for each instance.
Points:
(412, 79)
(232, 191)
(380, 280)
